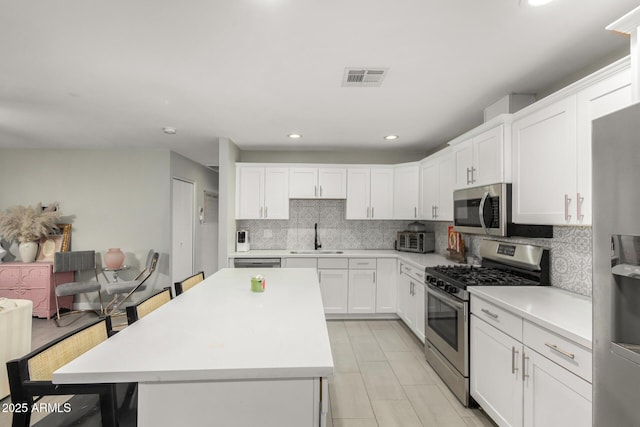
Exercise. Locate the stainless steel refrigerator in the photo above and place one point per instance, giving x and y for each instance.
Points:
(616, 268)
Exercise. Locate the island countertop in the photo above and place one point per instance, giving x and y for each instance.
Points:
(219, 330)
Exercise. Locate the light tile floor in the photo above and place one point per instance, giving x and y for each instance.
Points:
(382, 380)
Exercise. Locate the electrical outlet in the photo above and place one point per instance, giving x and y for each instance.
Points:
(267, 234)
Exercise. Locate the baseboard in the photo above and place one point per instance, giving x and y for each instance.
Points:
(361, 316)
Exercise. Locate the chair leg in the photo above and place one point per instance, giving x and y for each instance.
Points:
(22, 400)
(102, 311)
(108, 404)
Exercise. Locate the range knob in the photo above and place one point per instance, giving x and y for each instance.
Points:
(440, 283)
(447, 288)
(432, 279)
(452, 290)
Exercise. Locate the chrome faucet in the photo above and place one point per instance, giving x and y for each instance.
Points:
(316, 245)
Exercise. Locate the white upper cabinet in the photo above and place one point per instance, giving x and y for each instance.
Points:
(317, 183)
(370, 193)
(406, 191)
(436, 187)
(552, 150)
(482, 159)
(262, 193)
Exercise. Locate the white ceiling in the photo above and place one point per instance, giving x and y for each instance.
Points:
(113, 73)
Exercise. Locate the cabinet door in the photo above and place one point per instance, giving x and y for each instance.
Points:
(495, 373)
(406, 191)
(544, 165)
(386, 290)
(250, 193)
(419, 303)
(303, 183)
(462, 162)
(403, 294)
(488, 160)
(411, 307)
(334, 287)
(362, 291)
(554, 396)
(381, 193)
(444, 210)
(332, 183)
(276, 193)
(358, 192)
(607, 96)
(429, 188)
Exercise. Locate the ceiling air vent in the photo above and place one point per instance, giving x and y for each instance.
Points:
(363, 77)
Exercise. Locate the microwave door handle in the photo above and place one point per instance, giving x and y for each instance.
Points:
(481, 211)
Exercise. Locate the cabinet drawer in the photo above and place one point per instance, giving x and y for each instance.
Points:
(341, 263)
(558, 349)
(415, 273)
(301, 262)
(505, 321)
(362, 263)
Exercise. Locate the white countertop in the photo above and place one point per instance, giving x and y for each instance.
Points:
(562, 312)
(219, 330)
(419, 260)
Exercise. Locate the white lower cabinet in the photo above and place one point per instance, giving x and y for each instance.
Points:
(411, 295)
(517, 385)
(362, 291)
(334, 287)
(386, 291)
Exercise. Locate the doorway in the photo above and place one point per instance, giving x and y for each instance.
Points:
(182, 217)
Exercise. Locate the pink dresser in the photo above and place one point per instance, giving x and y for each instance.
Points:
(34, 281)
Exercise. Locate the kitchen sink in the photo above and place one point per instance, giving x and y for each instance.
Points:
(315, 252)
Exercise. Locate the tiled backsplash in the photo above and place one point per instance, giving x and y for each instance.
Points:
(334, 231)
(570, 247)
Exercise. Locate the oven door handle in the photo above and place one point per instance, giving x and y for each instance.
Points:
(483, 200)
(441, 294)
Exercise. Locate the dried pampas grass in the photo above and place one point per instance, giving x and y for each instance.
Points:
(27, 223)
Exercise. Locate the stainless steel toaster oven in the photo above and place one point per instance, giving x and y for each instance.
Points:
(415, 241)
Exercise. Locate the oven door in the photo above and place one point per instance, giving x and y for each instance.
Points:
(446, 327)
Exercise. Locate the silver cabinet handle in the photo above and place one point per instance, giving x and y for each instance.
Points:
(374, 277)
(321, 191)
(483, 200)
(468, 180)
(411, 289)
(561, 351)
(315, 191)
(524, 366)
(488, 313)
(433, 215)
(513, 360)
(567, 201)
(372, 211)
(436, 209)
(473, 180)
(415, 212)
(580, 199)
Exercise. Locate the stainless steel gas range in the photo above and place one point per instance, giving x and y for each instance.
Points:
(447, 303)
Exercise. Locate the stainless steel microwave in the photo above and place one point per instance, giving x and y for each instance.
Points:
(483, 210)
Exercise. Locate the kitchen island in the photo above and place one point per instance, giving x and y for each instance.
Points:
(220, 354)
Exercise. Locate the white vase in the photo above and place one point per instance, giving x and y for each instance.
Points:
(28, 251)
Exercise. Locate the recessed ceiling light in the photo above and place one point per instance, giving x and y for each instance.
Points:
(538, 2)
(295, 136)
(169, 130)
(391, 137)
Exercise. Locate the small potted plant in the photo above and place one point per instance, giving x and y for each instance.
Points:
(27, 225)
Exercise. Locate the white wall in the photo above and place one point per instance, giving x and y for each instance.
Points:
(229, 155)
(205, 235)
(381, 157)
(113, 198)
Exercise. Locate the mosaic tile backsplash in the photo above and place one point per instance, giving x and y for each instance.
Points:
(570, 247)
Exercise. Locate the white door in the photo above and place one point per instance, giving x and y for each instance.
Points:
(332, 183)
(381, 193)
(463, 161)
(544, 165)
(553, 396)
(334, 288)
(250, 193)
(406, 191)
(444, 211)
(276, 193)
(362, 291)
(303, 183)
(386, 285)
(358, 191)
(488, 157)
(182, 213)
(496, 369)
(429, 185)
